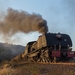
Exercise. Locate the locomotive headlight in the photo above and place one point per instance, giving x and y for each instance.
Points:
(71, 52)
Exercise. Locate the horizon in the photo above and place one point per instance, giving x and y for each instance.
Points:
(58, 14)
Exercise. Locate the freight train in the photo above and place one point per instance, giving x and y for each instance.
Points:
(50, 47)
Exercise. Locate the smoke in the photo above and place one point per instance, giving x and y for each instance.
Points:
(21, 21)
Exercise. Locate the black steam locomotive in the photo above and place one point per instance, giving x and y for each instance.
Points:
(50, 47)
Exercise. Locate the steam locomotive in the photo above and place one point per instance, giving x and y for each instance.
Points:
(50, 47)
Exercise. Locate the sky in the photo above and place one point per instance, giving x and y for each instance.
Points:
(59, 14)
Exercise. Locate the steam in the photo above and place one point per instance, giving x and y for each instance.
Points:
(16, 21)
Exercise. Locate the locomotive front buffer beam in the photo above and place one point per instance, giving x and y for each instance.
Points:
(63, 55)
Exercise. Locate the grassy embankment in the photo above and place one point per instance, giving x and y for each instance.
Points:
(37, 69)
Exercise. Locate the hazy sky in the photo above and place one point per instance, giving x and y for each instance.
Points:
(59, 14)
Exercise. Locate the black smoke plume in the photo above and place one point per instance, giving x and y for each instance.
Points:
(16, 21)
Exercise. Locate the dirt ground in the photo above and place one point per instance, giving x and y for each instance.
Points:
(26, 68)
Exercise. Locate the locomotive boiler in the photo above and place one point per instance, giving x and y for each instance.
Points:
(50, 47)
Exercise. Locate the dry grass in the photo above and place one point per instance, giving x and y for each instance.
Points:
(6, 71)
(38, 69)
